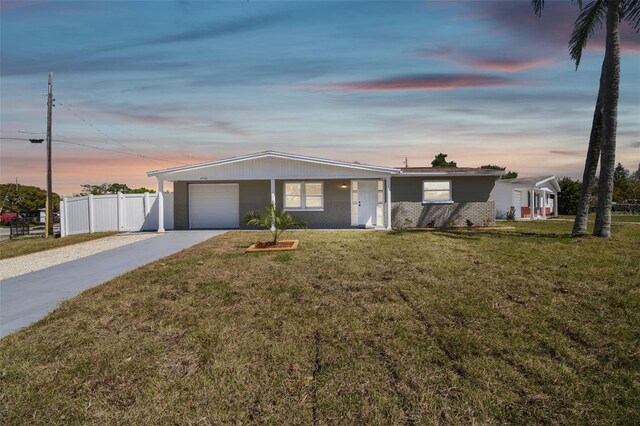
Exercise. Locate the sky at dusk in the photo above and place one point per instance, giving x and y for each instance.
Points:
(150, 85)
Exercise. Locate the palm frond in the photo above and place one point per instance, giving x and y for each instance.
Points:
(275, 220)
(591, 17)
(631, 14)
(537, 5)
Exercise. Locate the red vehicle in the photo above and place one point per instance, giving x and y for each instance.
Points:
(5, 218)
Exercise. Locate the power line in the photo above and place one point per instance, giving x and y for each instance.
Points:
(96, 128)
(106, 149)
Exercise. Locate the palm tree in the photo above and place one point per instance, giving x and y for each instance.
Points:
(274, 219)
(602, 141)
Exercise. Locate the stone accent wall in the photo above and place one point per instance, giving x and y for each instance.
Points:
(421, 214)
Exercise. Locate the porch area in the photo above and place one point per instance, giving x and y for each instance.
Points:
(534, 203)
(321, 203)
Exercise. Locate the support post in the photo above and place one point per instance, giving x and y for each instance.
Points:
(119, 211)
(532, 204)
(555, 204)
(273, 204)
(49, 214)
(544, 205)
(388, 198)
(147, 207)
(160, 205)
(63, 219)
(92, 223)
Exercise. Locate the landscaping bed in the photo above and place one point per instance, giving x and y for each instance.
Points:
(271, 246)
(523, 327)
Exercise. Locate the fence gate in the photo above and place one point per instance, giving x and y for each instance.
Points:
(113, 212)
(18, 227)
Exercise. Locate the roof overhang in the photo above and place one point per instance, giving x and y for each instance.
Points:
(528, 183)
(276, 155)
(552, 180)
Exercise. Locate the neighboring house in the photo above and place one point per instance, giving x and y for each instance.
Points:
(531, 197)
(325, 193)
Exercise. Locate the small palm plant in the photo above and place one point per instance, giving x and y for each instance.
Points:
(275, 220)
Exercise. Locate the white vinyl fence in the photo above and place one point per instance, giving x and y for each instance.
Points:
(113, 212)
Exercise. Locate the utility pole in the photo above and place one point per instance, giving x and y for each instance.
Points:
(49, 207)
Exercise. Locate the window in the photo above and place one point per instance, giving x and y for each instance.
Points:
(436, 191)
(303, 196)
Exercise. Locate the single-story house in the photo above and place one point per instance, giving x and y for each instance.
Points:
(325, 193)
(531, 197)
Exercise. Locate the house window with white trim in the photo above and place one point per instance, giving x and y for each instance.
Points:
(303, 196)
(436, 191)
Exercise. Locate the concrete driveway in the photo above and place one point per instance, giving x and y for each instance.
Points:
(30, 297)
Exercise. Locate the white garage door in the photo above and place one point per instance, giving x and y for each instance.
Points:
(214, 205)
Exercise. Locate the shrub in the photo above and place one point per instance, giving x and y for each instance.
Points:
(451, 222)
(511, 214)
(431, 224)
(275, 220)
(469, 223)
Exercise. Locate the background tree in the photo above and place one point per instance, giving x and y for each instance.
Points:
(141, 190)
(111, 188)
(28, 199)
(626, 187)
(509, 175)
(636, 175)
(441, 161)
(568, 201)
(620, 175)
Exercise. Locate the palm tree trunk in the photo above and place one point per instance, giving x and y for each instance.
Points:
(590, 165)
(610, 95)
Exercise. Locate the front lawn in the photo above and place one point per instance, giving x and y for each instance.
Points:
(28, 245)
(455, 327)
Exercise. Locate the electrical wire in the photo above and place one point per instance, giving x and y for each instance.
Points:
(106, 149)
(96, 128)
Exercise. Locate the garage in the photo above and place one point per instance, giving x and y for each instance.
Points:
(214, 205)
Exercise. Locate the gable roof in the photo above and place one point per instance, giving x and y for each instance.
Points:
(406, 171)
(533, 181)
(277, 154)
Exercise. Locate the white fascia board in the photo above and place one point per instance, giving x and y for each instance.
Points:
(554, 182)
(275, 154)
(545, 180)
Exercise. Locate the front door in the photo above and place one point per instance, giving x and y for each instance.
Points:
(367, 202)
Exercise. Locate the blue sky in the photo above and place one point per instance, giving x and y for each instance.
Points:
(171, 83)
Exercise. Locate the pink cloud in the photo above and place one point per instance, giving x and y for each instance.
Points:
(11, 4)
(505, 64)
(552, 31)
(428, 82)
(497, 64)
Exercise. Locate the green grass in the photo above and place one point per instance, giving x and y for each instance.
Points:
(457, 327)
(615, 217)
(26, 245)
